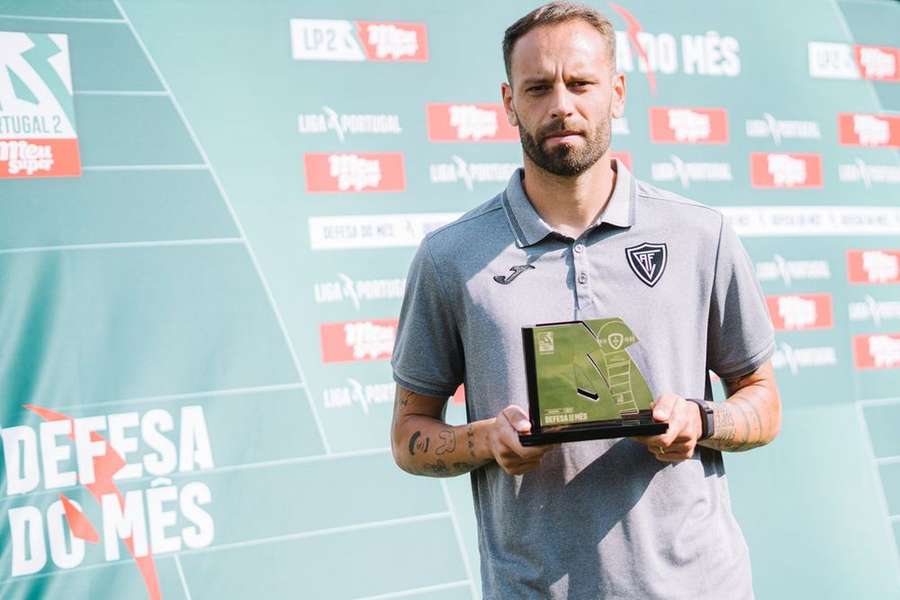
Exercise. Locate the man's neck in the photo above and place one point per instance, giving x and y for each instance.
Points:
(570, 204)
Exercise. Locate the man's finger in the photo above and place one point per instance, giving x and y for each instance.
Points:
(671, 457)
(524, 467)
(663, 407)
(678, 448)
(509, 439)
(651, 441)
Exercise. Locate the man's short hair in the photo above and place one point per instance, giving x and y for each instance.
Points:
(554, 13)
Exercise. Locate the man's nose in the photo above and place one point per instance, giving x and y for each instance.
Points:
(561, 102)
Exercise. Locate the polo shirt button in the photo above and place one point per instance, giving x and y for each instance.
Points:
(582, 278)
(578, 247)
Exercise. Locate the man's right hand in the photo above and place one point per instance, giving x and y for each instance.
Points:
(503, 442)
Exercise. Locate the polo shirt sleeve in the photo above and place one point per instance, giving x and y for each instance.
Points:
(428, 355)
(740, 336)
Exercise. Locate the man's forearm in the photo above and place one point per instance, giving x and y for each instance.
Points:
(424, 445)
(750, 417)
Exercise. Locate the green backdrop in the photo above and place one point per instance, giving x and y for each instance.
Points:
(228, 325)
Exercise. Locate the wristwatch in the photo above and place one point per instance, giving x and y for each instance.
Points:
(706, 418)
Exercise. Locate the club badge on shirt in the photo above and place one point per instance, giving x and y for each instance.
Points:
(648, 261)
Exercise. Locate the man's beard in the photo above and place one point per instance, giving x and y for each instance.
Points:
(566, 160)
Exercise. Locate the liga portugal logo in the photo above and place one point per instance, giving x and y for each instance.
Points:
(37, 115)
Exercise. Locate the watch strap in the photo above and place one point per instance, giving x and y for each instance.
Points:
(706, 418)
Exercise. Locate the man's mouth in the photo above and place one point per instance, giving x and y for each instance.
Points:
(566, 135)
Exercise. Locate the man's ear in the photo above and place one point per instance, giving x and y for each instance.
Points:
(617, 109)
(506, 95)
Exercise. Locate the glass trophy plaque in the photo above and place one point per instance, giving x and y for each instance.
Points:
(583, 384)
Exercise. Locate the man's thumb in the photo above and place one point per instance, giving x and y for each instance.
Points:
(517, 418)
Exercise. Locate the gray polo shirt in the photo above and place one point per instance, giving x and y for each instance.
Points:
(604, 518)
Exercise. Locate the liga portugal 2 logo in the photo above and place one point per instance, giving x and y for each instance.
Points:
(37, 115)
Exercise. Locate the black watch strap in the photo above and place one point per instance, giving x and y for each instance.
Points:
(706, 418)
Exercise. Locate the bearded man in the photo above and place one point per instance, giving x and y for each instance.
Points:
(624, 518)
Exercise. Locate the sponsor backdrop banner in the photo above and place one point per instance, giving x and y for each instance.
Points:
(205, 225)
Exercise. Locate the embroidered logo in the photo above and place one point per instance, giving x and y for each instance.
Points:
(648, 261)
(516, 271)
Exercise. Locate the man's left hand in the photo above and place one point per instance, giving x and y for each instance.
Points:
(685, 427)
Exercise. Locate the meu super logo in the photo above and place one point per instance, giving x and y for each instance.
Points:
(329, 39)
(449, 122)
(688, 125)
(873, 131)
(877, 351)
(354, 172)
(873, 266)
(353, 341)
(785, 170)
(797, 312)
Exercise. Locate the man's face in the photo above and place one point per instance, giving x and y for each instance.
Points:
(564, 93)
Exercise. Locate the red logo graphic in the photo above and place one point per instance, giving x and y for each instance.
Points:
(47, 157)
(449, 122)
(797, 312)
(394, 41)
(785, 170)
(634, 31)
(856, 129)
(624, 157)
(354, 172)
(352, 341)
(688, 125)
(881, 63)
(873, 266)
(876, 351)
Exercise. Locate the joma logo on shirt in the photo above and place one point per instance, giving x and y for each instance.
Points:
(516, 271)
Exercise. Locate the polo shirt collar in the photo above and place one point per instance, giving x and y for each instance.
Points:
(530, 228)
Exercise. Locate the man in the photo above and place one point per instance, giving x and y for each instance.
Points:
(626, 518)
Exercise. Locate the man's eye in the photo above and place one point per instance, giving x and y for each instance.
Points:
(537, 88)
(580, 84)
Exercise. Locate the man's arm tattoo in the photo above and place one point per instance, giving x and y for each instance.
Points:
(724, 425)
(437, 468)
(440, 469)
(738, 423)
(418, 443)
(448, 442)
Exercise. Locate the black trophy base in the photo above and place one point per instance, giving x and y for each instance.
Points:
(594, 431)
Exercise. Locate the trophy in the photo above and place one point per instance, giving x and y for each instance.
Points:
(583, 384)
